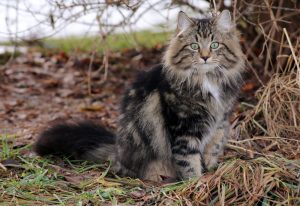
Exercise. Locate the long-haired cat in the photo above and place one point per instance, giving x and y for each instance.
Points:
(174, 118)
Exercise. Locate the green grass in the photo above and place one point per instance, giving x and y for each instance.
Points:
(26, 179)
(32, 180)
(114, 42)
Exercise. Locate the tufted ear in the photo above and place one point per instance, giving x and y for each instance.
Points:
(183, 22)
(224, 22)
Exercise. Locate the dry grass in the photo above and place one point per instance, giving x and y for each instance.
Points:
(242, 182)
(277, 113)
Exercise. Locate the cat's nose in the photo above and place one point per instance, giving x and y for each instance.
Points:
(205, 58)
(204, 54)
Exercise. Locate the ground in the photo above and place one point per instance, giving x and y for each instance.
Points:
(38, 89)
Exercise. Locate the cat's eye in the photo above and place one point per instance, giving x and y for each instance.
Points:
(194, 46)
(214, 45)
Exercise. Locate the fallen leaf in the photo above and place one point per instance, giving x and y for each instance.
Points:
(92, 108)
(248, 87)
(75, 179)
(137, 194)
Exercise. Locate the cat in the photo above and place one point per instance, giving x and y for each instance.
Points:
(174, 117)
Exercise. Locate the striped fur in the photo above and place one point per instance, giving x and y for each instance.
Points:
(174, 118)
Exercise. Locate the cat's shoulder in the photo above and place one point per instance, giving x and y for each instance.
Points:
(145, 83)
(149, 80)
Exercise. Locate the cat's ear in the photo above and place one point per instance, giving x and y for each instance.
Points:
(224, 21)
(183, 22)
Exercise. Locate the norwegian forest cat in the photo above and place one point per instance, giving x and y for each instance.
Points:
(174, 118)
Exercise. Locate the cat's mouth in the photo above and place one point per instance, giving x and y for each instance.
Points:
(207, 66)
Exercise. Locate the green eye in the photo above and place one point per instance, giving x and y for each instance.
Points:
(194, 46)
(214, 45)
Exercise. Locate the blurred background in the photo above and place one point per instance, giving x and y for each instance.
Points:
(87, 25)
(29, 20)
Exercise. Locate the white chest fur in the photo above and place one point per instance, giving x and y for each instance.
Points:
(211, 88)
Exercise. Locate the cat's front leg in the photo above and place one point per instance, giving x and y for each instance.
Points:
(215, 146)
(187, 157)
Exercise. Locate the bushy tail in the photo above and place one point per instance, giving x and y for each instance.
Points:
(83, 141)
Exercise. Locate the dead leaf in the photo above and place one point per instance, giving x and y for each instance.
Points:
(75, 179)
(11, 163)
(92, 108)
(248, 87)
(137, 194)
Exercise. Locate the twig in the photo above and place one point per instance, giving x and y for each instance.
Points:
(3, 167)
(294, 55)
(234, 147)
(89, 80)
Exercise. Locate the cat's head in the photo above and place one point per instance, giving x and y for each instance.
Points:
(206, 45)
